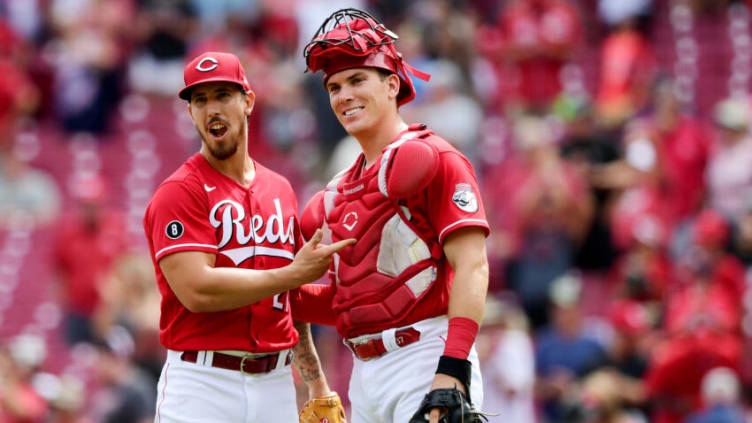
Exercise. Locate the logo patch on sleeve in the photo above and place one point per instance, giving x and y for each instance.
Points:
(464, 198)
(174, 229)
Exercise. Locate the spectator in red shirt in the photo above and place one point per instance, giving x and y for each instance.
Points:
(534, 39)
(627, 67)
(711, 279)
(683, 149)
(702, 322)
(541, 207)
(88, 242)
(665, 157)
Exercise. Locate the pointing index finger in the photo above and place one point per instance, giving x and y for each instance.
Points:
(339, 245)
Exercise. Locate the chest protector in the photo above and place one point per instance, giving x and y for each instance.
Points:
(382, 277)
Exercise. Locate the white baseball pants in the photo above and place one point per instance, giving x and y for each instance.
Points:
(198, 393)
(389, 389)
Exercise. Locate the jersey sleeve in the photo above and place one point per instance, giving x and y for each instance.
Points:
(177, 219)
(454, 198)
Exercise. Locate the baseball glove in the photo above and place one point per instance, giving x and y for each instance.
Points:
(458, 408)
(326, 409)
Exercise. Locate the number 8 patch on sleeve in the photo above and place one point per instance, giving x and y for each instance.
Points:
(174, 230)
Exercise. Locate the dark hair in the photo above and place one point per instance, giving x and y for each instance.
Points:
(383, 73)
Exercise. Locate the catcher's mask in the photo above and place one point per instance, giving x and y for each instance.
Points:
(351, 38)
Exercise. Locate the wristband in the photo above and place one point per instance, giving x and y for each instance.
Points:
(457, 368)
(460, 337)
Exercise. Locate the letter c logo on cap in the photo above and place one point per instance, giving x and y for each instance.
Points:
(214, 63)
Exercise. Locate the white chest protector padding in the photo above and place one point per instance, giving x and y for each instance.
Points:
(399, 249)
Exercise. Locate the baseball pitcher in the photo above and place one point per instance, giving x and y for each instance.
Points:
(226, 245)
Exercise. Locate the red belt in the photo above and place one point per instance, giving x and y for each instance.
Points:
(375, 347)
(246, 364)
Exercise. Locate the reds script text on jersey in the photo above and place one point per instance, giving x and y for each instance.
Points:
(199, 209)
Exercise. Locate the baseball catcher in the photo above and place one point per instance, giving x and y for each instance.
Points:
(408, 296)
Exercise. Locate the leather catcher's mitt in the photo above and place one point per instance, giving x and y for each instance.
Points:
(458, 408)
(326, 409)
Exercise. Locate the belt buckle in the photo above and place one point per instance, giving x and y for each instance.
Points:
(354, 345)
(350, 345)
(369, 358)
(242, 364)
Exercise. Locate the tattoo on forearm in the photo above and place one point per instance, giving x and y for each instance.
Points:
(305, 359)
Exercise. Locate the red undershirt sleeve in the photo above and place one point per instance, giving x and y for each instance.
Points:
(313, 303)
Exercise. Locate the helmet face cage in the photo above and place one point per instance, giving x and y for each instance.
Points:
(342, 19)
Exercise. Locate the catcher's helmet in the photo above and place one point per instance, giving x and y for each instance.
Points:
(351, 38)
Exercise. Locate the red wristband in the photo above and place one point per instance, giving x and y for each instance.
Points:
(460, 338)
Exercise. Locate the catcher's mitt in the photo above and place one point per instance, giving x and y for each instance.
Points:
(458, 408)
(326, 409)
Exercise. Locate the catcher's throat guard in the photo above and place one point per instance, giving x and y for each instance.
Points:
(351, 38)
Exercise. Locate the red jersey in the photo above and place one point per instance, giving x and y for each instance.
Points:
(84, 253)
(627, 66)
(684, 152)
(199, 209)
(552, 29)
(450, 201)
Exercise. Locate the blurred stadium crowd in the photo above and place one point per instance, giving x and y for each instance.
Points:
(611, 138)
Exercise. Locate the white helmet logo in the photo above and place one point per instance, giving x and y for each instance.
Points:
(214, 63)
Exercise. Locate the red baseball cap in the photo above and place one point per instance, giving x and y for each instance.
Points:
(213, 66)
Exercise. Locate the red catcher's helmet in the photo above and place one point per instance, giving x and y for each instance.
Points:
(351, 38)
